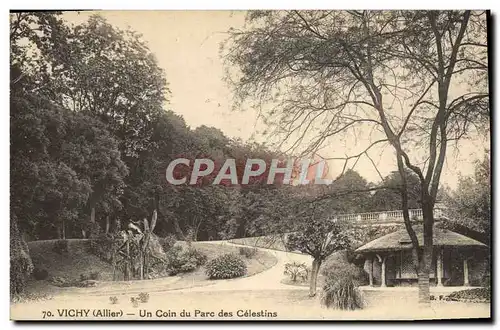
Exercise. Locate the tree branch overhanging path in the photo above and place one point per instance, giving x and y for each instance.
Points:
(413, 80)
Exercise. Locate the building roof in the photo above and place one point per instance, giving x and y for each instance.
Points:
(400, 240)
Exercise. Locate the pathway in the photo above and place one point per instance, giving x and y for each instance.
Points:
(269, 279)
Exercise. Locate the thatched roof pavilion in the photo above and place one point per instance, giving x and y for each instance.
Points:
(388, 258)
(400, 240)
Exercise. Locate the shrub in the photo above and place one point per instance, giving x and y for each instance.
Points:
(134, 301)
(338, 264)
(143, 297)
(21, 265)
(296, 271)
(175, 260)
(168, 242)
(199, 258)
(40, 274)
(471, 295)
(60, 246)
(113, 300)
(83, 277)
(340, 290)
(248, 252)
(180, 261)
(226, 266)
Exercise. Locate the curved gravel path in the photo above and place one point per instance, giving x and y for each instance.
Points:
(269, 279)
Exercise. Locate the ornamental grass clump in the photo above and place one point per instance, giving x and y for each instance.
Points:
(340, 290)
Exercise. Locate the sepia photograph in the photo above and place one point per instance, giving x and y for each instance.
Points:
(250, 165)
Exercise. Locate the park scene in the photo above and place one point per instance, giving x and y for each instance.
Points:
(250, 165)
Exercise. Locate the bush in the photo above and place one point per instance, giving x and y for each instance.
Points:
(83, 277)
(180, 261)
(187, 267)
(340, 290)
(40, 274)
(168, 242)
(296, 271)
(21, 265)
(338, 264)
(226, 266)
(175, 260)
(113, 300)
(471, 295)
(199, 258)
(60, 246)
(248, 252)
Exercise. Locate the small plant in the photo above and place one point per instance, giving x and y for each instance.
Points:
(248, 252)
(60, 246)
(296, 271)
(226, 266)
(143, 297)
(134, 301)
(113, 300)
(40, 274)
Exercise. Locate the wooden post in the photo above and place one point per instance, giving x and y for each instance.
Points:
(370, 270)
(383, 284)
(466, 273)
(439, 267)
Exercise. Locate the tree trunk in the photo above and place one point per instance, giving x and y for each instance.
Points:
(426, 260)
(423, 288)
(314, 277)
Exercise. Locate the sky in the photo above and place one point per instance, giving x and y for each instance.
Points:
(186, 45)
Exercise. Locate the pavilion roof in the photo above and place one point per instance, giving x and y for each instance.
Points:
(400, 240)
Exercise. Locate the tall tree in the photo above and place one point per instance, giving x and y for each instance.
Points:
(390, 199)
(415, 81)
(470, 204)
(318, 237)
(98, 70)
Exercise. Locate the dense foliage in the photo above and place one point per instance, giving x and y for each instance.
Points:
(180, 260)
(226, 266)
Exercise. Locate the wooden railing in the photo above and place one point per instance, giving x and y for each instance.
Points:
(386, 216)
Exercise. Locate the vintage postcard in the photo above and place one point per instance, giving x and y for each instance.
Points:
(255, 165)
